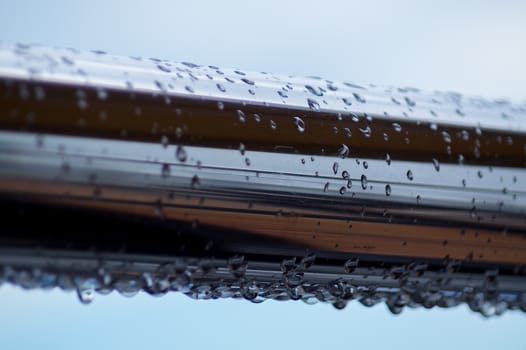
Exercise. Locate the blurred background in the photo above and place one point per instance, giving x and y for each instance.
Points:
(474, 47)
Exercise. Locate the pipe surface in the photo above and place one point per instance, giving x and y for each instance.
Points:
(136, 174)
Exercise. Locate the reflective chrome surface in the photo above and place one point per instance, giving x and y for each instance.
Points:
(414, 198)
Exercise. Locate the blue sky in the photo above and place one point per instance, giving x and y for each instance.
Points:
(57, 320)
(475, 47)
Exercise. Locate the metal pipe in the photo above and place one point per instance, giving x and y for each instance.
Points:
(264, 185)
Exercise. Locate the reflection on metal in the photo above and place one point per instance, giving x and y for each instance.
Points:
(145, 174)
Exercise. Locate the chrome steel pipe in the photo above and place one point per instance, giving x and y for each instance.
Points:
(265, 185)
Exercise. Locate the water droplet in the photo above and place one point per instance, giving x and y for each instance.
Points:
(397, 127)
(446, 137)
(436, 164)
(247, 81)
(67, 60)
(242, 149)
(195, 182)
(335, 167)
(180, 153)
(342, 190)
(388, 159)
(237, 265)
(163, 68)
(241, 116)
(479, 174)
(308, 260)
(366, 131)
(314, 91)
(326, 187)
(189, 89)
(102, 94)
(347, 101)
(349, 184)
(313, 105)
(86, 295)
(347, 132)
(220, 105)
(220, 87)
(409, 102)
(164, 141)
(387, 190)
(343, 151)
(364, 182)
(282, 94)
(247, 161)
(358, 97)
(165, 171)
(273, 125)
(409, 175)
(365, 164)
(82, 102)
(346, 175)
(351, 264)
(300, 124)
(476, 152)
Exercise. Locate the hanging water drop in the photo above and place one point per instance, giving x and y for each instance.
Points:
(86, 295)
(409, 175)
